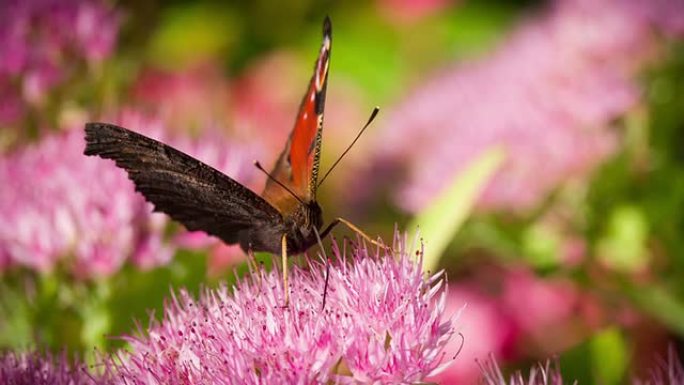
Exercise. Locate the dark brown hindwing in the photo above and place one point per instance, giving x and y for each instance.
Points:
(191, 192)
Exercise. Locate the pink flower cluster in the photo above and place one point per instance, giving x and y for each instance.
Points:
(547, 96)
(36, 369)
(383, 322)
(669, 372)
(60, 207)
(185, 99)
(409, 11)
(497, 322)
(546, 374)
(41, 43)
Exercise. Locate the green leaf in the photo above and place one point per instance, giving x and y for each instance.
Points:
(359, 47)
(623, 248)
(441, 220)
(660, 304)
(188, 34)
(96, 318)
(475, 27)
(541, 245)
(15, 318)
(608, 356)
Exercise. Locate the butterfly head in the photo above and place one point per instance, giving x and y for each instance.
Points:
(310, 217)
(302, 225)
(315, 215)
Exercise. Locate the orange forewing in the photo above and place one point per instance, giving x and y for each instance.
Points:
(297, 166)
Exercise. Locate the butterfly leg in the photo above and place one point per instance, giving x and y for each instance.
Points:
(325, 286)
(286, 287)
(254, 266)
(353, 227)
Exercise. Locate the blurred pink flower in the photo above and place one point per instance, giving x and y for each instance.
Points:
(407, 11)
(547, 374)
(668, 372)
(60, 207)
(259, 107)
(186, 99)
(11, 106)
(486, 328)
(41, 41)
(509, 314)
(224, 257)
(36, 369)
(545, 310)
(548, 96)
(383, 323)
(266, 99)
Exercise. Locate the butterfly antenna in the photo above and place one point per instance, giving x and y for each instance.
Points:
(258, 165)
(370, 120)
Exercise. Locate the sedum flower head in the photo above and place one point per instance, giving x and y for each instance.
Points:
(383, 322)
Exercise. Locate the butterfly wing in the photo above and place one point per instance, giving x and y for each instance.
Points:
(297, 166)
(191, 192)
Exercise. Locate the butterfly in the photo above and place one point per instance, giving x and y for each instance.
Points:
(284, 219)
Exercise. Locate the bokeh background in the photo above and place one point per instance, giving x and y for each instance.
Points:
(538, 145)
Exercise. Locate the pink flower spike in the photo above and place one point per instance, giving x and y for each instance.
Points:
(383, 322)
